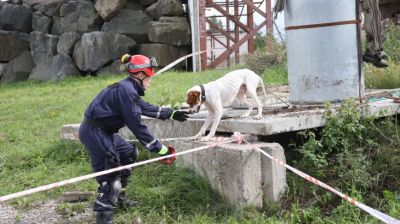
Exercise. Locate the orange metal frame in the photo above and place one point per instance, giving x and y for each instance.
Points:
(229, 9)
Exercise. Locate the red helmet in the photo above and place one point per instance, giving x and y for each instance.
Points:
(139, 63)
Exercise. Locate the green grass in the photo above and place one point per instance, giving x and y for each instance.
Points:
(377, 78)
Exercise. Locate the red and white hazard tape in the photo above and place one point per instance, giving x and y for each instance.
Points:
(377, 214)
(217, 141)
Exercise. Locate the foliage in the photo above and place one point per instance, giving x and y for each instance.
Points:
(273, 53)
(360, 155)
(392, 42)
(379, 78)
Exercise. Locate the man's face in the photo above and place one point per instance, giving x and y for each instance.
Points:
(146, 80)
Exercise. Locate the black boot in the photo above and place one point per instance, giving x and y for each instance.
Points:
(375, 60)
(108, 195)
(105, 217)
(124, 202)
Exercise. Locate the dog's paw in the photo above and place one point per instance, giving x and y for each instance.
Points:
(258, 117)
(245, 115)
(193, 138)
(205, 139)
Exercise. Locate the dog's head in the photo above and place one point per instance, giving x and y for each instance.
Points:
(193, 99)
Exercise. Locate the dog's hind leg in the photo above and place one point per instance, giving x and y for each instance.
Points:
(253, 94)
(250, 105)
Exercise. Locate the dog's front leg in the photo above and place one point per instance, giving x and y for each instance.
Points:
(217, 119)
(205, 125)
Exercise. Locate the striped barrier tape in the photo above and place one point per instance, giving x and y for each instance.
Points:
(217, 141)
(377, 214)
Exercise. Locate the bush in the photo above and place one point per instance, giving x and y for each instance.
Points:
(359, 155)
(263, 58)
(392, 42)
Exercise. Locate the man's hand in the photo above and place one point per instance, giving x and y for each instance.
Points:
(167, 151)
(180, 115)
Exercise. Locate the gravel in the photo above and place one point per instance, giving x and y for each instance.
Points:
(45, 213)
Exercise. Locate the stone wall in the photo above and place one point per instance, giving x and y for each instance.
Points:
(53, 39)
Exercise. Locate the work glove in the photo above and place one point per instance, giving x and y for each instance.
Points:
(179, 115)
(164, 151)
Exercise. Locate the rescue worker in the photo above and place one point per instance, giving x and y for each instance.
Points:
(118, 105)
(373, 33)
(374, 53)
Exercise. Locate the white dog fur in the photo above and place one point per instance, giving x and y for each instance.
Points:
(222, 92)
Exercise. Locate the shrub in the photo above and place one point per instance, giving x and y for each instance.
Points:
(358, 154)
(392, 42)
(263, 58)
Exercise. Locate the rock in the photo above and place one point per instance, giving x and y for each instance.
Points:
(67, 42)
(54, 68)
(170, 8)
(56, 26)
(147, 2)
(15, 17)
(12, 44)
(131, 23)
(43, 46)
(170, 30)
(31, 3)
(107, 9)
(19, 68)
(114, 68)
(165, 54)
(41, 22)
(16, 2)
(2, 68)
(153, 11)
(97, 49)
(76, 196)
(48, 7)
(79, 16)
(133, 6)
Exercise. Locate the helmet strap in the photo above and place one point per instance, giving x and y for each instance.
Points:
(139, 79)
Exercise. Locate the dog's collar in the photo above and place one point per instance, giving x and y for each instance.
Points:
(203, 94)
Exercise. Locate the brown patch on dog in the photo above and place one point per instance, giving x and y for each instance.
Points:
(193, 98)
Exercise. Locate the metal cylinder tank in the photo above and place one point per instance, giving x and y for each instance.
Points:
(322, 50)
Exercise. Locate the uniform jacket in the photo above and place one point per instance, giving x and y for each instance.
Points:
(120, 104)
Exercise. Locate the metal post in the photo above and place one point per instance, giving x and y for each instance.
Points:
(236, 16)
(203, 34)
(250, 23)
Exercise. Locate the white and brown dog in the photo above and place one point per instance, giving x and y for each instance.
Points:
(222, 92)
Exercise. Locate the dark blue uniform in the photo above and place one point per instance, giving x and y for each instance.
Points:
(116, 106)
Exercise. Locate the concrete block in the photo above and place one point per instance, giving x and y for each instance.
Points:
(232, 171)
(273, 174)
(238, 172)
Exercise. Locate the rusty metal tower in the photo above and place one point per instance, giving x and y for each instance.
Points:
(226, 28)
